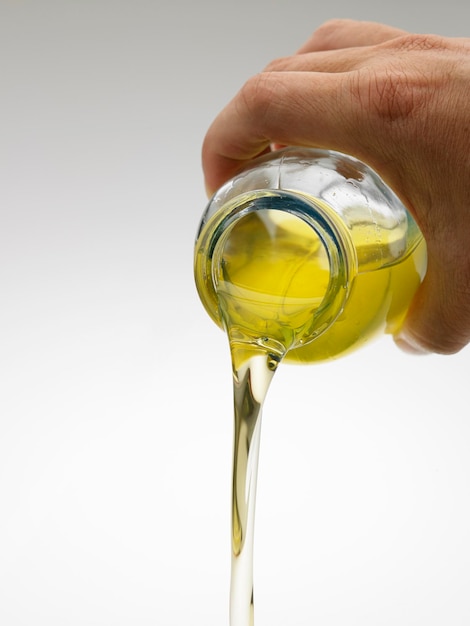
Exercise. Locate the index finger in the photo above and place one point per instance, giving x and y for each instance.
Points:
(287, 108)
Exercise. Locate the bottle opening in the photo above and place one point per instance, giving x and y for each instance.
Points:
(271, 276)
(275, 269)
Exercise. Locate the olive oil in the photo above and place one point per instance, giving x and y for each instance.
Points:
(268, 290)
(297, 277)
(273, 277)
(251, 379)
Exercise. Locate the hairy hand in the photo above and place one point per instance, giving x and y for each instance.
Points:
(397, 101)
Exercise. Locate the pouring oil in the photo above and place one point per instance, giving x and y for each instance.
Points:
(289, 278)
(269, 290)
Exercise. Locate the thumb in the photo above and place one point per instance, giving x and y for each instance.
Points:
(439, 317)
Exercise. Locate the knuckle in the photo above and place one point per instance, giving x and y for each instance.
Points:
(277, 65)
(405, 85)
(389, 94)
(394, 96)
(257, 95)
(417, 42)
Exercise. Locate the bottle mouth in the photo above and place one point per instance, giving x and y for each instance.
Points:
(274, 267)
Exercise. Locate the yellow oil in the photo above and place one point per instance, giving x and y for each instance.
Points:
(274, 275)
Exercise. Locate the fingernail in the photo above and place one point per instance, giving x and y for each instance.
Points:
(408, 344)
(209, 191)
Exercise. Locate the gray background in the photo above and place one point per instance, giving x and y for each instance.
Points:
(115, 390)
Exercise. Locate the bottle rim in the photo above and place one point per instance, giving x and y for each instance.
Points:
(332, 233)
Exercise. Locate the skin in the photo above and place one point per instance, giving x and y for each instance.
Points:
(399, 102)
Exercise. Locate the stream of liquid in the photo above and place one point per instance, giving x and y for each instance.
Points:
(251, 381)
(266, 297)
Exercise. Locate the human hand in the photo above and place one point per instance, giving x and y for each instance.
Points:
(397, 101)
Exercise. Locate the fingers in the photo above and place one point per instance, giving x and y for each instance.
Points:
(287, 108)
(337, 34)
(439, 318)
(338, 46)
(279, 106)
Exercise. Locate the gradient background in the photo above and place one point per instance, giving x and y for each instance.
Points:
(115, 390)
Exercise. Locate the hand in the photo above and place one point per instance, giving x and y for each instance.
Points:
(397, 101)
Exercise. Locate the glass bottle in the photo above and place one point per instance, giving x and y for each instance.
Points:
(308, 253)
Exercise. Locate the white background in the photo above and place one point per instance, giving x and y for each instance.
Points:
(115, 386)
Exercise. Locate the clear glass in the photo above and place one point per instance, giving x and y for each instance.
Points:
(319, 220)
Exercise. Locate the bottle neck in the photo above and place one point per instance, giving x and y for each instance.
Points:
(275, 266)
